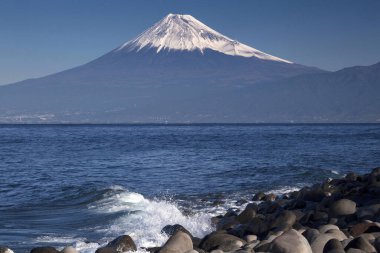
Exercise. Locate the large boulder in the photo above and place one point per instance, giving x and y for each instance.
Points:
(180, 242)
(362, 244)
(314, 195)
(46, 249)
(364, 227)
(368, 211)
(323, 229)
(172, 229)
(318, 244)
(106, 250)
(259, 196)
(257, 226)
(226, 223)
(337, 234)
(342, 207)
(333, 246)
(290, 242)
(377, 244)
(246, 216)
(69, 249)
(311, 234)
(284, 221)
(122, 243)
(221, 241)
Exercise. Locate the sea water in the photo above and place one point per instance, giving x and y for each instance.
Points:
(83, 185)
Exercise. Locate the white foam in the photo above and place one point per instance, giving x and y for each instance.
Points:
(284, 190)
(144, 219)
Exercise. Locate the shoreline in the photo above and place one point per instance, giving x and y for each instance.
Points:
(334, 216)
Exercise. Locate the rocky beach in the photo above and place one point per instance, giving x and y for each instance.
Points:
(334, 216)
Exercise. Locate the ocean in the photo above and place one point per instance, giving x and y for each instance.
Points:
(84, 185)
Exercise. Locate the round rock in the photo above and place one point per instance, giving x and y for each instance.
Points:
(342, 207)
(225, 242)
(333, 246)
(69, 249)
(122, 243)
(47, 249)
(290, 242)
(180, 242)
(360, 243)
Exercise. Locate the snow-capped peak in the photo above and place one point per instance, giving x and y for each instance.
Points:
(184, 32)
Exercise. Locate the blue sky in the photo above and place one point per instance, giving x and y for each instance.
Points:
(45, 36)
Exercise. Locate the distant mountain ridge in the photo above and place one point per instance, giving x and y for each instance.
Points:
(182, 71)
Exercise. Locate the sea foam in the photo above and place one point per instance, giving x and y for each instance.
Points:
(143, 219)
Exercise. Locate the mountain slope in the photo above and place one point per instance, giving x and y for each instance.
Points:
(347, 95)
(180, 70)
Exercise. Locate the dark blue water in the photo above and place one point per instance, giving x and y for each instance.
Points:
(82, 185)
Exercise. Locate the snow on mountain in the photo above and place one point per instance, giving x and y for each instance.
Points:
(184, 32)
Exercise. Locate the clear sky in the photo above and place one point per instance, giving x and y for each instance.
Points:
(45, 36)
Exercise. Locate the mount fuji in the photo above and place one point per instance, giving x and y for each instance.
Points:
(178, 71)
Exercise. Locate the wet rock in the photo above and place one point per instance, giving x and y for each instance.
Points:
(246, 216)
(258, 196)
(106, 250)
(47, 249)
(323, 229)
(311, 234)
(153, 249)
(270, 197)
(225, 242)
(333, 246)
(263, 246)
(352, 250)
(122, 243)
(180, 242)
(350, 177)
(4, 249)
(364, 227)
(196, 241)
(290, 242)
(337, 234)
(257, 226)
(319, 242)
(226, 223)
(252, 206)
(314, 195)
(368, 211)
(217, 251)
(241, 202)
(368, 237)
(269, 207)
(252, 244)
(360, 243)
(247, 250)
(298, 204)
(69, 249)
(172, 229)
(192, 251)
(284, 221)
(377, 244)
(250, 238)
(342, 207)
(231, 212)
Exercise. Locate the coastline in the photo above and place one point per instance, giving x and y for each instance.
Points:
(334, 216)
